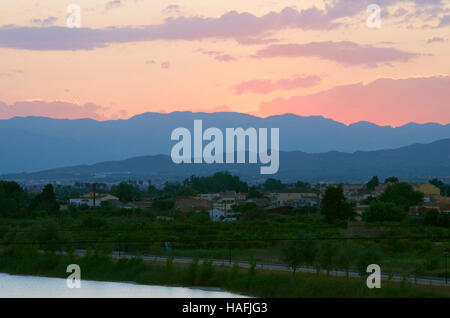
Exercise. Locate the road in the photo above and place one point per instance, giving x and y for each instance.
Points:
(434, 281)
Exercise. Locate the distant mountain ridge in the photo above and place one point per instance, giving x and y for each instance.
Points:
(418, 162)
(38, 143)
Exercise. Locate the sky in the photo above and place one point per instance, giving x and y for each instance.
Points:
(262, 57)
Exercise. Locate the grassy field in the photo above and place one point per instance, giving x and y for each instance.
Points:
(26, 260)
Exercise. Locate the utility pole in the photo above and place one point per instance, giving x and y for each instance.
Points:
(94, 188)
(119, 244)
(229, 251)
(446, 262)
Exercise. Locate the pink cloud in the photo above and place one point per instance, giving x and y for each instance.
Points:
(54, 109)
(345, 52)
(384, 101)
(266, 86)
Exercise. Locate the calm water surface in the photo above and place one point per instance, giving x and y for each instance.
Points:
(36, 286)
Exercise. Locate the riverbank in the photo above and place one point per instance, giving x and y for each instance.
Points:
(244, 281)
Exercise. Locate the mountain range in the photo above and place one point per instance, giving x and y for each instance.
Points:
(417, 162)
(32, 144)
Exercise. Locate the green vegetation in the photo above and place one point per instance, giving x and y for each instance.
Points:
(401, 194)
(373, 183)
(335, 206)
(220, 181)
(404, 244)
(445, 188)
(380, 211)
(96, 266)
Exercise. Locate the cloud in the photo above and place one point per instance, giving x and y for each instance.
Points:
(384, 101)
(225, 58)
(218, 55)
(44, 22)
(435, 40)
(54, 109)
(165, 65)
(256, 41)
(113, 4)
(173, 8)
(346, 53)
(445, 21)
(245, 28)
(231, 25)
(11, 73)
(266, 86)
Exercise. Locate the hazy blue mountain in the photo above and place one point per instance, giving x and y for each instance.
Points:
(418, 162)
(37, 143)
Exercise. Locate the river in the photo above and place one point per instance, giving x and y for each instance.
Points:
(23, 286)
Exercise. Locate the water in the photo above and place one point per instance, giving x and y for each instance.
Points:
(36, 286)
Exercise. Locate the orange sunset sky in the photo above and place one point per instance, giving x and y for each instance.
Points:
(261, 57)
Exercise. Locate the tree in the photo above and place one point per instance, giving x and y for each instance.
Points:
(335, 206)
(370, 255)
(391, 180)
(220, 181)
(431, 217)
(300, 251)
(327, 255)
(45, 201)
(372, 184)
(345, 257)
(125, 191)
(402, 194)
(163, 203)
(249, 211)
(253, 192)
(445, 188)
(272, 184)
(379, 211)
(12, 198)
(187, 191)
(302, 185)
(151, 188)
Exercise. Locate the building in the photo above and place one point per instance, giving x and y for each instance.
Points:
(427, 206)
(216, 215)
(296, 199)
(227, 199)
(192, 204)
(93, 201)
(260, 202)
(429, 191)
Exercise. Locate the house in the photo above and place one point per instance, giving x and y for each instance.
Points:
(278, 209)
(92, 200)
(216, 215)
(227, 199)
(428, 190)
(427, 206)
(208, 196)
(192, 204)
(355, 192)
(296, 199)
(141, 204)
(260, 202)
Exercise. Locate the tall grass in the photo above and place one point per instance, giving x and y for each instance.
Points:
(95, 266)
